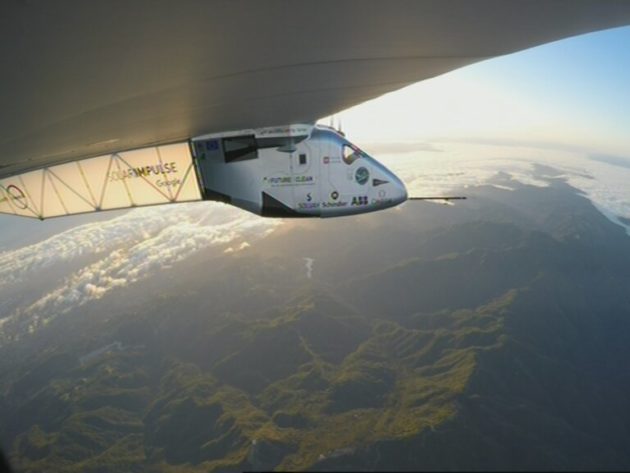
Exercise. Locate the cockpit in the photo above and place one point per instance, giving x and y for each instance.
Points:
(351, 153)
(351, 175)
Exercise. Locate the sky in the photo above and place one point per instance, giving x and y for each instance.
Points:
(565, 104)
(574, 92)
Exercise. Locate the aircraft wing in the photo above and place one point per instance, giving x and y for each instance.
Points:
(93, 78)
(147, 176)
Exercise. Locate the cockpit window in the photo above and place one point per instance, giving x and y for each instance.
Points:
(351, 153)
(240, 148)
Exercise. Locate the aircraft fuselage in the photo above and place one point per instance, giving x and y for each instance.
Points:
(293, 171)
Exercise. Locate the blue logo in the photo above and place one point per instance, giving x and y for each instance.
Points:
(362, 175)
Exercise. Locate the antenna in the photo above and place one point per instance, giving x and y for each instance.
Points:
(439, 198)
(445, 200)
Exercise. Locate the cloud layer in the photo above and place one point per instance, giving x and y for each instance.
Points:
(603, 179)
(124, 250)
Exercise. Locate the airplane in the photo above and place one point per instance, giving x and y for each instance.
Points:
(120, 104)
(294, 171)
(301, 170)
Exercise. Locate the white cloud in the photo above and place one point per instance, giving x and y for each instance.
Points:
(130, 248)
(462, 164)
(309, 266)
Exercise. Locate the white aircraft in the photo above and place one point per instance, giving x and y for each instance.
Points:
(294, 171)
(117, 104)
(290, 171)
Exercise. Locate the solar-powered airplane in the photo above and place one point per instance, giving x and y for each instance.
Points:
(117, 104)
(285, 171)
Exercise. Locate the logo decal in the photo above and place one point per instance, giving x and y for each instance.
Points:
(360, 200)
(328, 205)
(17, 196)
(308, 205)
(334, 195)
(145, 171)
(362, 175)
(303, 179)
(276, 181)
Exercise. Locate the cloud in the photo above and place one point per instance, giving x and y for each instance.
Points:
(517, 143)
(470, 162)
(140, 225)
(377, 148)
(309, 266)
(128, 248)
(613, 160)
(244, 245)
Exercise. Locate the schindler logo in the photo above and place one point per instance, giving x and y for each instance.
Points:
(145, 171)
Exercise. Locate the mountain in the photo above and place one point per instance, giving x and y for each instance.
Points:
(487, 336)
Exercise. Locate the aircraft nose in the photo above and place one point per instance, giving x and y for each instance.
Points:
(392, 193)
(400, 191)
(388, 190)
(397, 190)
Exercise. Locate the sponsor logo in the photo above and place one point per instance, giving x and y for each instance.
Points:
(291, 130)
(277, 181)
(303, 179)
(362, 175)
(16, 195)
(145, 171)
(382, 201)
(360, 200)
(288, 180)
(212, 145)
(169, 183)
(308, 205)
(329, 205)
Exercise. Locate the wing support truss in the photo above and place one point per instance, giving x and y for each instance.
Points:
(148, 176)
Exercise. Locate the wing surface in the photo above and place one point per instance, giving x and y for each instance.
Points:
(91, 78)
(149, 176)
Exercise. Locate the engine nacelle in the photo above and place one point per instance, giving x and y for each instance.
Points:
(294, 171)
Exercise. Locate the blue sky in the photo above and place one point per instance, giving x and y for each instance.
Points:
(572, 92)
(588, 74)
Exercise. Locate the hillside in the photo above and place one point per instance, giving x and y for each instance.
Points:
(487, 336)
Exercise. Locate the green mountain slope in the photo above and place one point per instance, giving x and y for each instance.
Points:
(483, 339)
